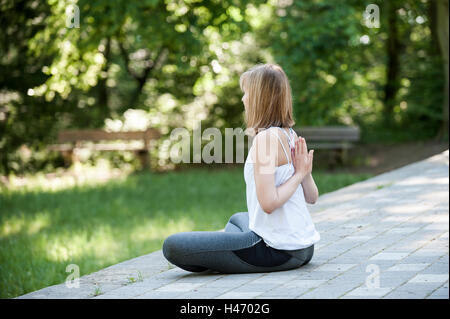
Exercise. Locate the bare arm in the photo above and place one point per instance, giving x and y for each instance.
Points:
(310, 189)
(269, 196)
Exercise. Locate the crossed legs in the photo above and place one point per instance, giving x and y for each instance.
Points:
(236, 250)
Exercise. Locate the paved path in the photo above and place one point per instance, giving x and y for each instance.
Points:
(386, 237)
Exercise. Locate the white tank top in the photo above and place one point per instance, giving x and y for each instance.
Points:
(288, 227)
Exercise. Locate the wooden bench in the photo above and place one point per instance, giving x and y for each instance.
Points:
(71, 140)
(339, 138)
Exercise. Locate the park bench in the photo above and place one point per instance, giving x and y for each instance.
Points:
(338, 138)
(69, 141)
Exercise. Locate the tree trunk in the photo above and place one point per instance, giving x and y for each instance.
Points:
(103, 97)
(392, 68)
(442, 32)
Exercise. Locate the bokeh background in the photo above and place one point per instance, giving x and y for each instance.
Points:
(132, 65)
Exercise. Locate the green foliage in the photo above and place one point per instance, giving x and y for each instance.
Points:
(97, 291)
(181, 61)
(24, 117)
(317, 56)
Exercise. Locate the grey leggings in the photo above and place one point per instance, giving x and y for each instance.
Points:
(236, 250)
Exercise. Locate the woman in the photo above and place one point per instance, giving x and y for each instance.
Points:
(277, 233)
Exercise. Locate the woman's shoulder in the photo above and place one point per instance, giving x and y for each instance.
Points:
(265, 147)
(266, 132)
(265, 137)
(271, 134)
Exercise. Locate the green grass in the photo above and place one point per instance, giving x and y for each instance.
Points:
(97, 292)
(94, 226)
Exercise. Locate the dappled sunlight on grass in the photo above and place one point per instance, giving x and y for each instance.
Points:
(39, 222)
(28, 225)
(68, 246)
(12, 226)
(78, 175)
(42, 230)
(157, 229)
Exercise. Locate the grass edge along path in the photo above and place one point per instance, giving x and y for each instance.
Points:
(43, 231)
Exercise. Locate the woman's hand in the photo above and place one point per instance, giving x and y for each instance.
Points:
(302, 159)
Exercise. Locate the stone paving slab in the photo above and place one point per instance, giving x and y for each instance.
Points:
(386, 237)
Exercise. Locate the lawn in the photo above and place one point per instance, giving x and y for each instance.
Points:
(94, 226)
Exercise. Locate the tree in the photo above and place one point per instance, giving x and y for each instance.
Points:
(150, 39)
(442, 32)
(24, 118)
(317, 44)
(393, 48)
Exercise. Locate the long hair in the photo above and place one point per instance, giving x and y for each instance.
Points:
(269, 97)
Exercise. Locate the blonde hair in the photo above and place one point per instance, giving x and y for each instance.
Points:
(269, 97)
